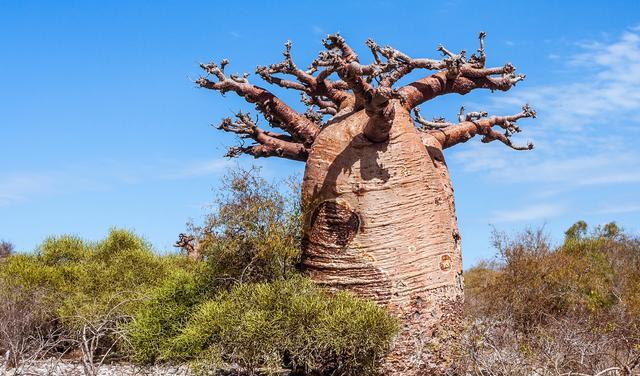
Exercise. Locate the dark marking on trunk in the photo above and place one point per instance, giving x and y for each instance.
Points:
(445, 263)
(333, 223)
(435, 154)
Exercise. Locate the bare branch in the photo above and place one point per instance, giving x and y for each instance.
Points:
(273, 109)
(268, 143)
(190, 245)
(476, 123)
(336, 41)
(306, 82)
(470, 116)
(439, 84)
(341, 58)
(325, 107)
(479, 60)
(398, 64)
(425, 124)
(458, 76)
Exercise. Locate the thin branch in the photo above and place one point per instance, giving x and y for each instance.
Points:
(458, 75)
(273, 109)
(306, 82)
(425, 124)
(476, 123)
(268, 143)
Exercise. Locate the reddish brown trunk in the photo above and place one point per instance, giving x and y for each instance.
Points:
(380, 217)
(380, 221)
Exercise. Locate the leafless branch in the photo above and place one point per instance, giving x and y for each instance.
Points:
(268, 143)
(274, 110)
(474, 123)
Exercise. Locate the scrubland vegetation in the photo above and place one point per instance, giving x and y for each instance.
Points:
(573, 309)
(245, 308)
(537, 309)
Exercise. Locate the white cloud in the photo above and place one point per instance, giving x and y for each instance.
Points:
(17, 188)
(201, 168)
(586, 130)
(611, 76)
(620, 209)
(529, 213)
(23, 187)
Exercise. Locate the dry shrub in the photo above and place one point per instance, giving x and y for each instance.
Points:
(6, 249)
(543, 310)
(27, 329)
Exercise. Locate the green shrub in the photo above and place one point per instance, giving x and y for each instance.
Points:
(79, 283)
(62, 250)
(165, 314)
(245, 304)
(254, 232)
(286, 323)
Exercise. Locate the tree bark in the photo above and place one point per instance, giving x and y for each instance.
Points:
(379, 211)
(380, 221)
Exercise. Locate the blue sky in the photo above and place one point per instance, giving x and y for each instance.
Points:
(100, 125)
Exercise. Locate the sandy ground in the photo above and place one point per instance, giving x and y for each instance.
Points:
(56, 368)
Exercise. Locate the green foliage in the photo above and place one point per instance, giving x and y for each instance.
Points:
(254, 233)
(577, 231)
(245, 304)
(163, 316)
(269, 325)
(78, 283)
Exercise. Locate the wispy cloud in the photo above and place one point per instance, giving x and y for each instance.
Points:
(17, 188)
(586, 129)
(200, 168)
(529, 213)
(611, 76)
(22, 187)
(620, 209)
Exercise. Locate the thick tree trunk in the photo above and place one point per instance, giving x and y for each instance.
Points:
(380, 221)
(379, 210)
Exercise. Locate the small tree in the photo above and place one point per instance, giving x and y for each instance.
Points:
(6, 249)
(378, 206)
(253, 233)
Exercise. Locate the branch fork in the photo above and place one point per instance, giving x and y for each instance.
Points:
(368, 87)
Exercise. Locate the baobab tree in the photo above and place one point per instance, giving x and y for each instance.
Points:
(378, 202)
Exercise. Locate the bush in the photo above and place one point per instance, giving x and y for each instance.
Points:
(574, 307)
(246, 303)
(78, 287)
(254, 232)
(244, 306)
(288, 323)
(6, 249)
(164, 315)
